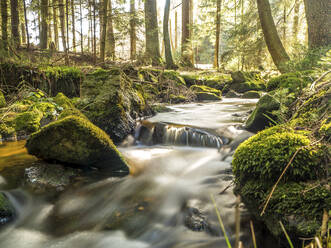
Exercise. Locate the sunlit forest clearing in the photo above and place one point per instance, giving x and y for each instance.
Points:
(165, 124)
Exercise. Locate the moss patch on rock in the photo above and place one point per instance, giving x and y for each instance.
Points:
(265, 155)
(75, 140)
(294, 81)
(112, 102)
(204, 92)
(262, 115)
(252, 94)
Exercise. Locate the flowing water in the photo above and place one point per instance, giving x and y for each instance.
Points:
(178, 160)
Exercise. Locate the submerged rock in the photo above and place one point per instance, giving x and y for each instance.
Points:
(262, 114)
(7, 211)
(48, 178)
(75, 140)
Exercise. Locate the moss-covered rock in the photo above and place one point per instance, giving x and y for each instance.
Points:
(2, 100)
(252, 94)
(262, 114)
(177, 98)
(112, 102)
(204, 92)
(299, 206)
(232, 94)
(294, 81)
(246, 81)
(28, 121)
(298, 201)
(75, 140)
(265, 155)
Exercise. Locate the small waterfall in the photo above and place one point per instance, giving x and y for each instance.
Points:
(167, 134)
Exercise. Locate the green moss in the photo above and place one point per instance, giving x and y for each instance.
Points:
(2, 100)
(251, 94)
(204, 88)
(265, 155)
(6, 130)
(63, 101)
(177, 99)
(75, 140)
(325, 129)
(160, 108)
(174, 76)
(298, 205)
(28, 121)
(262, 114)
(295, 82)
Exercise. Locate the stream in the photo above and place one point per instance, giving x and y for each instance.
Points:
(177, 160)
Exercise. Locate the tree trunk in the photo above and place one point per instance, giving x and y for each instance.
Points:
(284, 23)
(168, 56)
(44, 24)
(218, 27)
(94, 34)
(15, 23)
(22, 22)
(63, 33)
(110, 46)
(186, 35)
(296, 21)
(133, 37)
(152, 33)
(104, 30)
(73, 25)
(55, 23)
(318, 19)
(67, 23)
(4, 25)
(274, 44)
(81, 27)
(176, 30)
(26, 26)
(191, 31)
(49, 30)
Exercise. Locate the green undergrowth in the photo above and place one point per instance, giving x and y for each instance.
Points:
(31, 110)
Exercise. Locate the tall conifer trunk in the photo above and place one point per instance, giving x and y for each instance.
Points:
(274, 44)
(166, 37)
(15, 23)
(152, 33)
(319, 22)
(133, 37)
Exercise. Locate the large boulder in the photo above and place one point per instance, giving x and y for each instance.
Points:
(262, 115)
(75, 140)
(299, 199)
(111, 101)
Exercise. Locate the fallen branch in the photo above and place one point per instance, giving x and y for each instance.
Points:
(312, 87)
